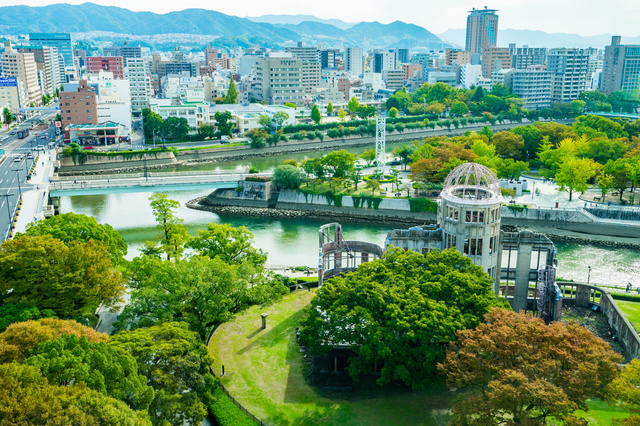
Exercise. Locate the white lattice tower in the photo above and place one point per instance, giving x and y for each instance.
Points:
(381, 123)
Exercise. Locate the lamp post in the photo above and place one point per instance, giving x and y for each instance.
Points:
(589, 275)
(18, 172)
(7, 195)
(424, 100)
(144, 158)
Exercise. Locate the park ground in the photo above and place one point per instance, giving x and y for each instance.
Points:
(265, 371)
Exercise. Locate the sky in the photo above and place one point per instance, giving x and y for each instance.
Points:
(584, 17)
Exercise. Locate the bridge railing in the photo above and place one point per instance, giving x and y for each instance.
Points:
(153, 174)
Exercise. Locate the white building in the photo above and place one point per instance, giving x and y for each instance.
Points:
(353, 60)
(196, 113)
(114, 99)
(139, 75)
(569, 69)
(533, 85)
(373, 80)
(470, 75)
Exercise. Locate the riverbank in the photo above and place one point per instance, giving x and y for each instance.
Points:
(380, 217)
(219, 155)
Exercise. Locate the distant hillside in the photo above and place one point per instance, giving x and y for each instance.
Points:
(534, 38)
(391, 34)
(92, 17)
(298, 19)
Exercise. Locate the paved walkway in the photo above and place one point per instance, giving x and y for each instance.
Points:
(34, 200)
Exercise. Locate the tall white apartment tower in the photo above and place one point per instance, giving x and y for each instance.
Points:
(353, 60)
(139, 77)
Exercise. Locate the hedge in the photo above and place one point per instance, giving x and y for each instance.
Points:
(626, 297)
(419, 205)
(257, 178)
(226, 412)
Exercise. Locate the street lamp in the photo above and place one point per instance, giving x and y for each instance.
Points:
(7, 195)
(18, 172)
(589, 275)
(144, 159)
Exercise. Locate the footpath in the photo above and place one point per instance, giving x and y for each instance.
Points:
(34, 200)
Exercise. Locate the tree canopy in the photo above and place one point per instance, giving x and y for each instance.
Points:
(402, 310)
(69, 227)
(70, 359)
(231, 245)
(11, 313)
(19, 338)
(173, 232)
(69, 279)
(176, 364)
(287, 177)
(520, 371)
(27, 398)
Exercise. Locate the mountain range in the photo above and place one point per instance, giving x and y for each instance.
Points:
(298, 19)
(88, 17)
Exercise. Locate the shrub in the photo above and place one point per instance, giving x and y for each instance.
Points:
(226, 412)
(257, 178)
(418, 205)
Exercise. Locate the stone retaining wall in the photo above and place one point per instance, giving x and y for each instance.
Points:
(616, 214)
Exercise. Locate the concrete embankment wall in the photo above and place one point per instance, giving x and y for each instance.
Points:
(247, 194)
(110, 162)
(615, 214)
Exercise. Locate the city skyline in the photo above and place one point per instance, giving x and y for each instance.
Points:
(588, 17)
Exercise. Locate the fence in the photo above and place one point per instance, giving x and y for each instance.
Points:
(226, 392)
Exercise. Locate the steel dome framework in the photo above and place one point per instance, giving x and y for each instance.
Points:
(472, 182)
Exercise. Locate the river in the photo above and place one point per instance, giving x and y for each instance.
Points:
(295, 242)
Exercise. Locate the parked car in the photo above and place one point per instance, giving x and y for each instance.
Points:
(88, 147)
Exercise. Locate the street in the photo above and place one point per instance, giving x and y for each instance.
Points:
(13, 174)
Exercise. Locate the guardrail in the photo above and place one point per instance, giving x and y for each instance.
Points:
(155, 174)
(146, 182)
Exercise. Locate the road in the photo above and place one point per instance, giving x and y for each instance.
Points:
(13, 173)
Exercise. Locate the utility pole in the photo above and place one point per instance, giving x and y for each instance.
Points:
(18, 171)
(7, 195)
(381, 130)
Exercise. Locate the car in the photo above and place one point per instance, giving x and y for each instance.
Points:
(29, 155)
(38, 148)
(12, 133)
(17, 159)
(88, 147)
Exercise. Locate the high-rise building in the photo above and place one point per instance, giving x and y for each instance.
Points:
(534, 85)
(383, 61)
(495, 59)
(620, 68)
(525, 56)
(10, 94)
(311, 65)
(140, 84)
(402, 56)
(279, 79)
(568, 68)
(327, 58)
(127, 51)
(412, 70)
(23, 67)
(482, 30)
(353, 60)
(393, 79)
(79, 106)
(457, 57)
(113, 64)
(48, 66)
(61, 41)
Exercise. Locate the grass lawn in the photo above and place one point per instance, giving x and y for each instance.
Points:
(631, 310)
(601, 413)
(264, 371)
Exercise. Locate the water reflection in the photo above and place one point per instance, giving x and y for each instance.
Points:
(295, 242)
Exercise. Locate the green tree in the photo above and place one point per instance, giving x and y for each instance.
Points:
(175, 128)
(353, 105)
(393, 112)
(232, 93)
(404, 153)
(264, 121)
(478, 94)
(621, 171)
(207, 131)
(366, 112)
(10, 314)
(605, 183)
(509, 145)
(329, 108)
(173, 233)
(6, 114)
(592, 99)
(372, 185)
(70, 359)
(574, 174)
(512, 170)
(459, 109)
(27, 398)
(20, 338)
(70, 279)
(315, 114)
(520, 371)
(280, 117)
(401, 310)
(594, 126)
(532, 139)
(287, 177)
(176, 364)
(224, 122)
(258, 137)
(342, 114)
(69, 227)
(152, 124)
(624, 389)
(339, 162)
(400, 100)
(231, 245)
(369, 155)
(199, 291)
(290, 105)
(314, 166)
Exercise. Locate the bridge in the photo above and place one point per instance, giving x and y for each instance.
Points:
(614, 115)
(145, 182)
